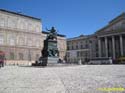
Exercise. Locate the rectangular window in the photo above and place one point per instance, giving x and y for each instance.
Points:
(12, 42)
(72, 48)
(67, 47)
(76, 46)
(21, 56)
(86, 46)
(81, 47)
(78, 54)
(1, 39)
(11, 56)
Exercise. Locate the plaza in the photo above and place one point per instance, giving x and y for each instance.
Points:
(62, 79)
(62, 46)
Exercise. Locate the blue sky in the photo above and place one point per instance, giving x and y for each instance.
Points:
(70, 17)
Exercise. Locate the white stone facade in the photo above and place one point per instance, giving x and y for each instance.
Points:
(78, 49)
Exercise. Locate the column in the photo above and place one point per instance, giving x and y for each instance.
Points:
(121, 45)
(106, 47)
(99, 47)
(113, 46)
(90, 49)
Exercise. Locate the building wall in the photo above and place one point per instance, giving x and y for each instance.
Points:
(20, 37)
(78, 49)
(93, 46)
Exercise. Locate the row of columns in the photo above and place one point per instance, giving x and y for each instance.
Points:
(113, 46)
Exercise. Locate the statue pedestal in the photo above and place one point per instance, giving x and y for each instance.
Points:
(47, 61)
(50, 53)
(50, 60)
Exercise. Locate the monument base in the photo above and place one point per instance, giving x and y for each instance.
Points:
(50, 60)
(46, 61)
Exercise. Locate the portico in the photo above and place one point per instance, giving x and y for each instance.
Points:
(111, 45)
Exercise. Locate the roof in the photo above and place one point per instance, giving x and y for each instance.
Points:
(79, 37)
(121, 16)
(44, 32)
(3, 10)
(116, 19)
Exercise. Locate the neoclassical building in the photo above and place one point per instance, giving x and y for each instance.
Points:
(106, 42)
(21, 37)
(111, 38)
(78, 49)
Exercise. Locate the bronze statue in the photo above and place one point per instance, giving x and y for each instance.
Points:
(50, 51)
(52, 34)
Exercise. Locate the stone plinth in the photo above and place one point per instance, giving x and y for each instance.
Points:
(51, 60)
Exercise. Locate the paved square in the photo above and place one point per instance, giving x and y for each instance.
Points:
(70, 79)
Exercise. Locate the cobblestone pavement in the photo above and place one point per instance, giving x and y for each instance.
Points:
(70, 79)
